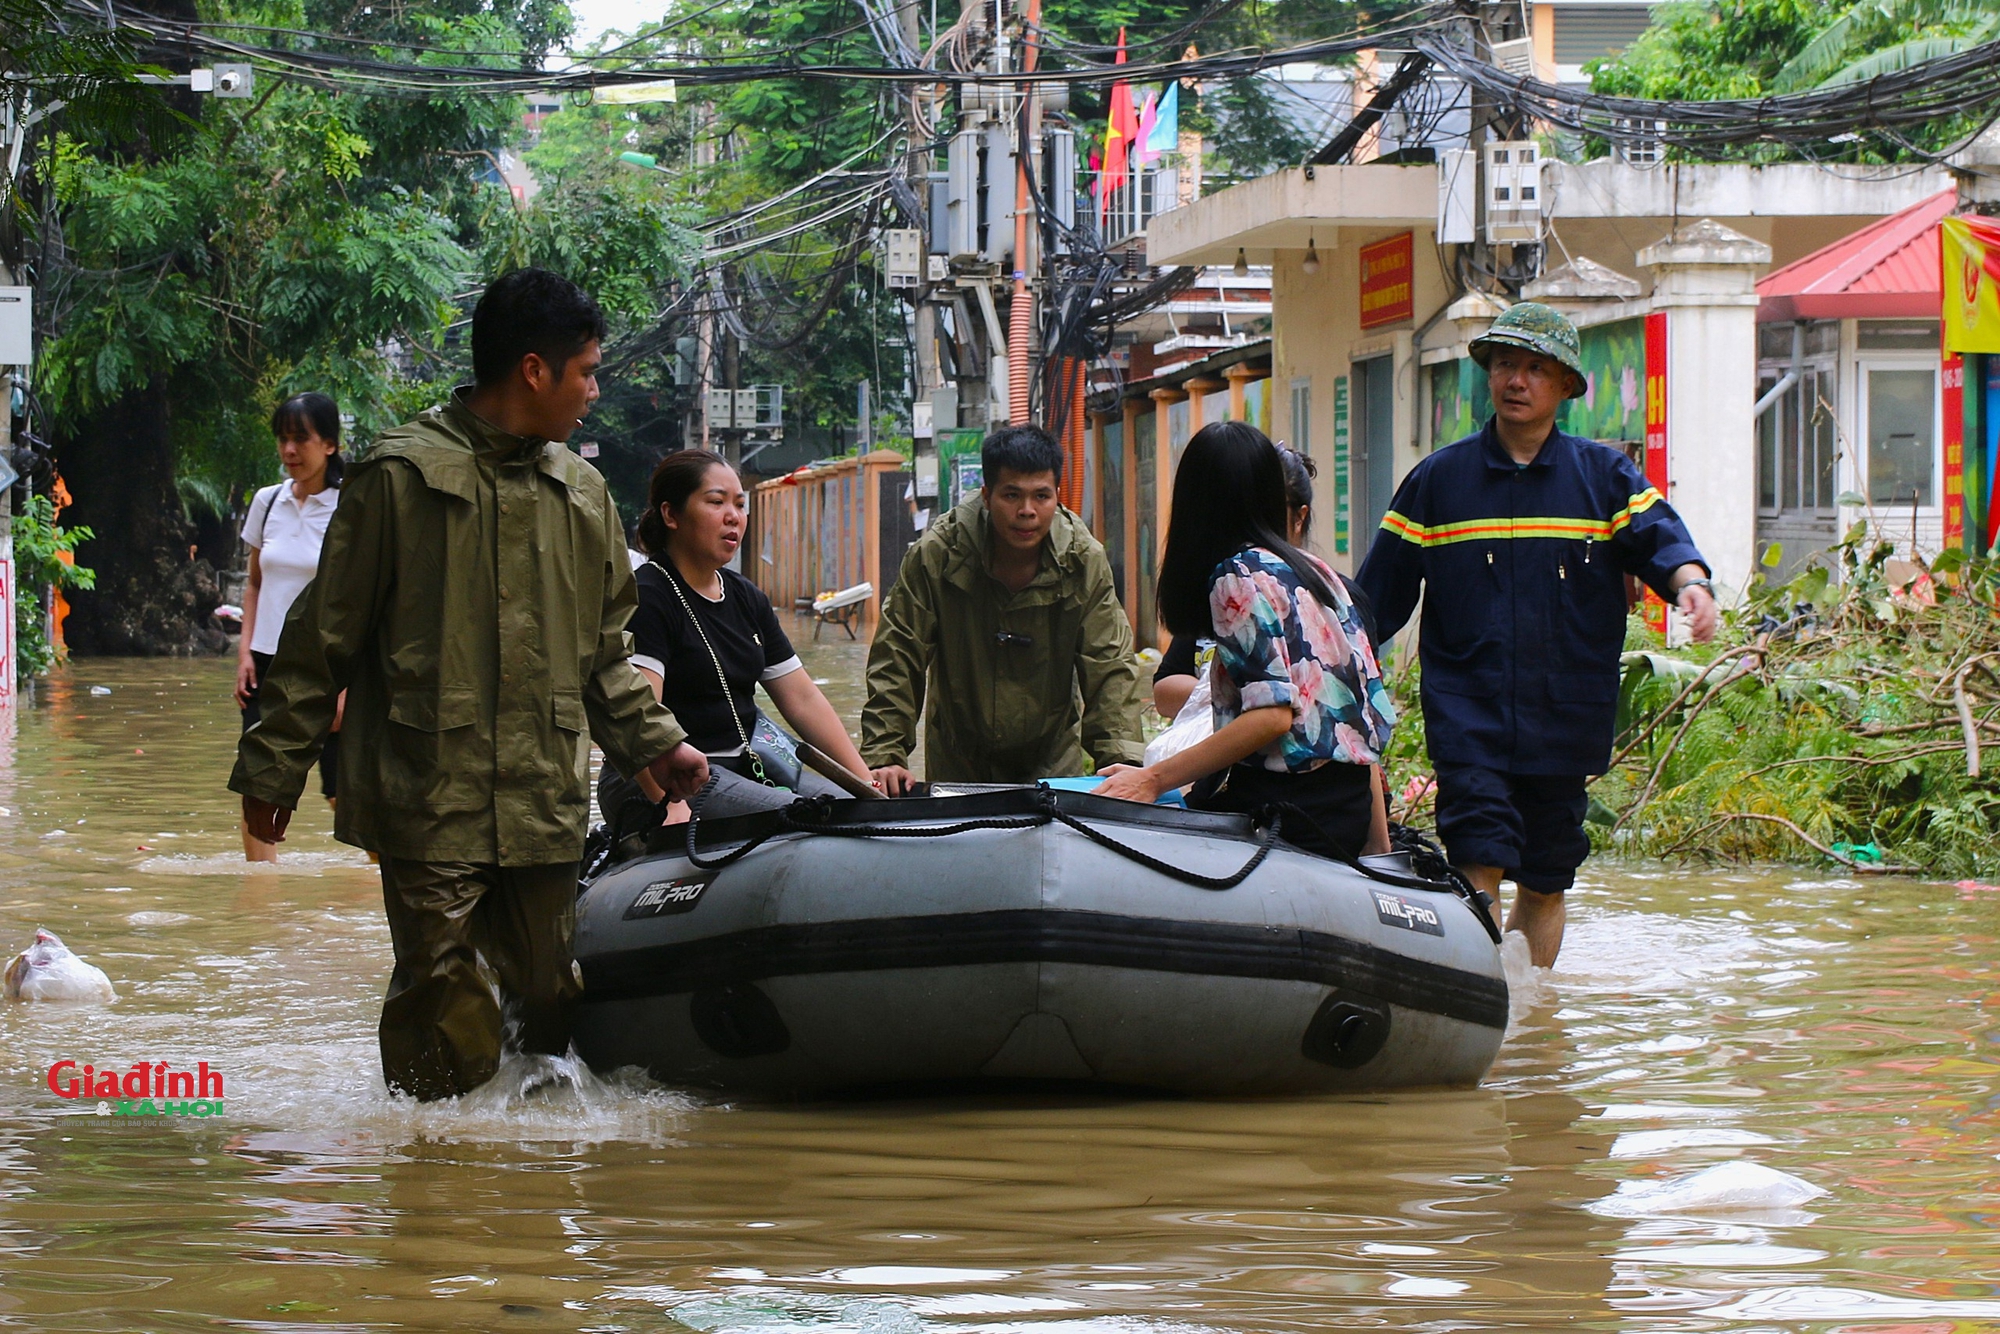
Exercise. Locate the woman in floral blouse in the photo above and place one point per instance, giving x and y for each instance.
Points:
(1301, 714)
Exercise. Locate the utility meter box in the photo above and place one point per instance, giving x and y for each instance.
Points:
(721, 409)
(768, 407)
(903, 256)
(17, 326)
(1513, 191)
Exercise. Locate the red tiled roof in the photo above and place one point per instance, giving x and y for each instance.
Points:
(1887, 270)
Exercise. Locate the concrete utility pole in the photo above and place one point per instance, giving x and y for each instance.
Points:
(1021, 310)
(917, 169)
(1493, 21)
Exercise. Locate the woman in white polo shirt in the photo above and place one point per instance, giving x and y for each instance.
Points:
(284, 529)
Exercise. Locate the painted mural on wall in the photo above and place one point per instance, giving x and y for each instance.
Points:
(1613, 406)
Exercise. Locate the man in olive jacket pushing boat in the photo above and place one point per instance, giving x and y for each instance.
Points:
(471, 600)
(1006, 614)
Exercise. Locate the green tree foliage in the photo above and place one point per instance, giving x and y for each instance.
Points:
(812, 306)
(1715, 49)
(49, 54)
(1881, 36)
(303, 239)
(1842, 713)
(1706, 51)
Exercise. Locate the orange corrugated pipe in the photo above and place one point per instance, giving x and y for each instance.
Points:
(1021, 314)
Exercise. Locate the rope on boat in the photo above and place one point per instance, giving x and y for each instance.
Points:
(808, 815)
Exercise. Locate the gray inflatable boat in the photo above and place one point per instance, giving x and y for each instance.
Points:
(1027, 934)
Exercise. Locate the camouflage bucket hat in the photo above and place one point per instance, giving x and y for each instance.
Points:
(1538, 328)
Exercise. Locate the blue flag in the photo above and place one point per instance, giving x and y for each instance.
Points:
(1166, 133)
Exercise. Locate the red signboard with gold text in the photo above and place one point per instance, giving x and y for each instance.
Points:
(1656, 436)
(1388, 281)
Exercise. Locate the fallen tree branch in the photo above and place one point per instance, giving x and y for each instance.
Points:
(1862, 868)
(1895, 757)
(1757, 650)
(1965, 719)
(1741, 670)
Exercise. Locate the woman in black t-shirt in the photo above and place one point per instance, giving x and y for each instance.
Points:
(705, 637)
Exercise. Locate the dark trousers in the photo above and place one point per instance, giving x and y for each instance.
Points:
(468, 939)
(329, 754)
(1331, 805)
(1528, 825)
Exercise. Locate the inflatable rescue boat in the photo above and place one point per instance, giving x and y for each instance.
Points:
(1027, 934)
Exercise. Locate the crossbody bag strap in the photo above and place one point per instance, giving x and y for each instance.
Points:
(270, 498)
(673, 582)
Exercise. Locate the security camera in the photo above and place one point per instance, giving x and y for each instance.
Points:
(234, 80)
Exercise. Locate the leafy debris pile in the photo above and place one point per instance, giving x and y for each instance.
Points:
(1854, 719)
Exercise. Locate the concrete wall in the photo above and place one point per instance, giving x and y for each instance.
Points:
(1317, 337)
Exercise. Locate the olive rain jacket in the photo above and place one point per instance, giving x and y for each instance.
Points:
(1522, 571)
(1022, 685)
(471, 599)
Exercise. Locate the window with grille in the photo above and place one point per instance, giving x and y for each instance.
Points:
(1797, 445)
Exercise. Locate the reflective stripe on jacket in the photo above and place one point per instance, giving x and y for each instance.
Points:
(1021, 685)
(1522, 575)
(471, 599)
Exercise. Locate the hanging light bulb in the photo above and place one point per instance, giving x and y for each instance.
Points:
(1241, 268)
(1311, 264)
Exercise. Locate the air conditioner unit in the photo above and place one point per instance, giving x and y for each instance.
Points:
(1516, 57)
(1513, 191)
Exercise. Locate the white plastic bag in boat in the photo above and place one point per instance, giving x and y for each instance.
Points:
(1194, 724)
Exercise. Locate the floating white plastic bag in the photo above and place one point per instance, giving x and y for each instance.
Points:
(48, 971)
(1724, 1188)
(1194, 724)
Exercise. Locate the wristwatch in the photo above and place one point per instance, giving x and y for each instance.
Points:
(1708, 584)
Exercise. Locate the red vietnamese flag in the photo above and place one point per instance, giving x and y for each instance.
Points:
(1118, 136)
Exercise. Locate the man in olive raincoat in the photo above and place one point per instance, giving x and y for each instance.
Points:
(471, 600)
(1005, 611)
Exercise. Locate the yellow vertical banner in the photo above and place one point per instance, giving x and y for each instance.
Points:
(1969, 256)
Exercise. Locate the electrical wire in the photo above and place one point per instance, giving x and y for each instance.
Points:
(1942, 91)
(172, 40)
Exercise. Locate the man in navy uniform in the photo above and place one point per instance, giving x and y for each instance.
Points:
(1519, 538)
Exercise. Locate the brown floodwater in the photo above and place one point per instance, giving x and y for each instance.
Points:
(1836, 1031)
